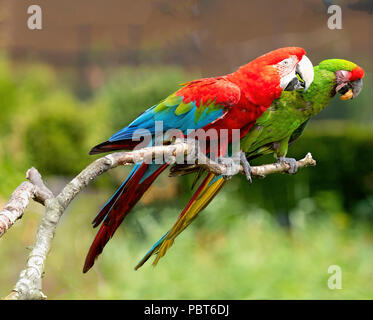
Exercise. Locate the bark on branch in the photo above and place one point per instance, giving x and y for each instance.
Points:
(34, 188)
(29, 285)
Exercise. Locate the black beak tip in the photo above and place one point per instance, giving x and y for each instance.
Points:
(295, 84)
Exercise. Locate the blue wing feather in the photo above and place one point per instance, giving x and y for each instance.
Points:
(146, 121)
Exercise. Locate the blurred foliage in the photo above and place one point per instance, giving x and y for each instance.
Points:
(324, 210)
(236, 252)
(60, 131)
(342, 181)
(132, 90)
(44, 125)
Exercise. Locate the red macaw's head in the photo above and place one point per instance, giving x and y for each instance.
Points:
(282, 69)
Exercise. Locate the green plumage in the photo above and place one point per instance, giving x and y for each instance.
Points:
(287, 117)
(280, 125)
(180, 107)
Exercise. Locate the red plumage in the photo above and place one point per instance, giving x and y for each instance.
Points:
(357, 73)
(115, 211)
(243, 95)
(108, 146)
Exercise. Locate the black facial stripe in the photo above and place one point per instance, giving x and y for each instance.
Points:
(344, 89)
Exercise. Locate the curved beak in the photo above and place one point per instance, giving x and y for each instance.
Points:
(305, 71)
(357, 86)
(300, 78)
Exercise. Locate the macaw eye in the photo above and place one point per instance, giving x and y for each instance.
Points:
(285, 62)
(342, 76)
(345, 74)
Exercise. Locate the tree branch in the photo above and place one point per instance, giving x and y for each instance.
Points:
(29, 285)
(42, 193)
(20, 198)
(16, 205)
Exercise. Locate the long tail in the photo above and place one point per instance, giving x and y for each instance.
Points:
(207, 190)
(119, 206)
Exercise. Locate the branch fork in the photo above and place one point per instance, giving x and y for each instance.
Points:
(29, 284)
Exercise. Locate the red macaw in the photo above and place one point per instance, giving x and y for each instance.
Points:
(233, 101)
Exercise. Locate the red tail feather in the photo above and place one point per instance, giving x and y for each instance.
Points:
(117, 209)
(114, 146)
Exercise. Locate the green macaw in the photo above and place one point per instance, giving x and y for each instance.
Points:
(273, 132)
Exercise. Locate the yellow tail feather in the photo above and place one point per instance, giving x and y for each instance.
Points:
(203, 198)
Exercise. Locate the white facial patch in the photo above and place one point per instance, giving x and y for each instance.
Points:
(287, 66)
(286, 70)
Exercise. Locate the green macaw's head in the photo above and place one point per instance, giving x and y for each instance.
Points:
(349, 77)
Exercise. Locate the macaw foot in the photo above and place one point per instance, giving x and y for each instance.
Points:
(231, 165)
(291, 162)
(198, 151)
(246, 166)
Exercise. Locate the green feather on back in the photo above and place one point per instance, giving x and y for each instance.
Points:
(183, 108)
(171, 101)
(286, 119)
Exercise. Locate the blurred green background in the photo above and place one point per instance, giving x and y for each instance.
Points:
(274, 239)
